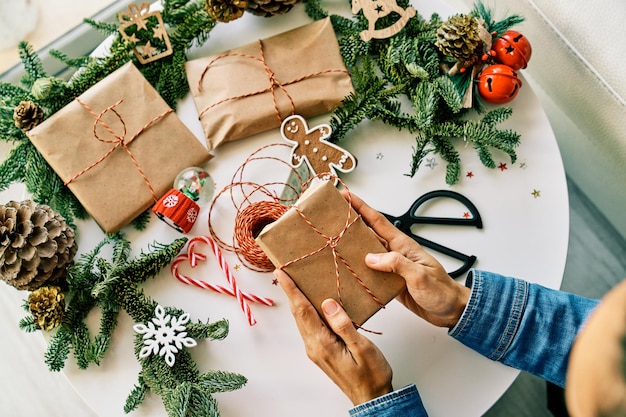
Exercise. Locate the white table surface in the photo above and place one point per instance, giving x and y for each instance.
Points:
(523, 236)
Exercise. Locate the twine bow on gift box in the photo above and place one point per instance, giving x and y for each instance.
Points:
(118, 139)
(273, 82)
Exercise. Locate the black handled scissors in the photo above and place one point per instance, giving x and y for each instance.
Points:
(408, 219)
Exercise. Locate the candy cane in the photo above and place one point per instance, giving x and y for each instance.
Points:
(193, 257)
(208, 286)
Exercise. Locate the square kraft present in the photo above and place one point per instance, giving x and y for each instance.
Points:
(250, 89)
(321, 243)
(118, 147)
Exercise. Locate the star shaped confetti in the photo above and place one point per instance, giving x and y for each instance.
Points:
(469, 174)
(431, 163)
(502, 166)
(536, 193)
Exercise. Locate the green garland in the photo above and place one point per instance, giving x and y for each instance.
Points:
(409, 66)
(112, 286)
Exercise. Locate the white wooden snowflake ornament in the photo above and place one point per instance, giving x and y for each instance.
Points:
(164, 335)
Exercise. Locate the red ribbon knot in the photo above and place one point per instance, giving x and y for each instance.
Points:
(118, 140)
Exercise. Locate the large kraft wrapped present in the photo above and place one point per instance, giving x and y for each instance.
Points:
(321, 243)
(118, 147)
(250, 89)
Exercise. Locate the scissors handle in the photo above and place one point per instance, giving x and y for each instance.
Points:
(408, 219)
(475, 220)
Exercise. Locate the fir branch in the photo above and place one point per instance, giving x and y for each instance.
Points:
(150, 264)
(78, 62)
(499, 27)
(141, 222)
(28, 324)
(419, 153)
(136, 396)
(315, 10)
(33, 66)
(220, 381)
(58, 349)
(105, 28)
(214, 331)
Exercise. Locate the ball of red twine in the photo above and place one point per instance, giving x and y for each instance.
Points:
(249, 223)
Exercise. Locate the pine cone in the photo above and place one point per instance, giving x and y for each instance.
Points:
(226, 10)
(47, 305)
(269, 8)
(36, 245)
(459, 37)
(27, 115)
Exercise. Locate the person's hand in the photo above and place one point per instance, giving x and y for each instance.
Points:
(430, 292)
(351, 360)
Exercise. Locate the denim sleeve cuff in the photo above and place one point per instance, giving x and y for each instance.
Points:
(493, 313)
(405, 402)
(523, 325)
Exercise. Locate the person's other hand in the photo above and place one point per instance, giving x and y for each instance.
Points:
(430, 292)
(350, 359)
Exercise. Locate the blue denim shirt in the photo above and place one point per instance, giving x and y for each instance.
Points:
(523, 325)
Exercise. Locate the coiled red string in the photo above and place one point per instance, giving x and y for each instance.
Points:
(256, 205)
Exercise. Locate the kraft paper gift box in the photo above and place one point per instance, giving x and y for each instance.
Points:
(295, 239)
(118, 146)
(236, 98)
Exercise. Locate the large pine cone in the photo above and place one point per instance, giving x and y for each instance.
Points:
(36, 245)
(459, 37)
(226, 10)
(27, 115)
(269, 8)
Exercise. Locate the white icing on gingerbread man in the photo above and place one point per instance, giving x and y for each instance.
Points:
(311, 147)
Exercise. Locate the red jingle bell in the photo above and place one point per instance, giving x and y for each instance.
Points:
(512, 49)
(498, 84)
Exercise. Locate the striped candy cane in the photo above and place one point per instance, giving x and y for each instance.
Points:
(192, 257)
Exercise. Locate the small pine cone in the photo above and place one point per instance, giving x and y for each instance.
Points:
(36, 245)
(27, 115)
(47, 305)
(268, 8)
(226, 10)
(459, 37)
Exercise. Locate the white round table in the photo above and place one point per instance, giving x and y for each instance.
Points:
(524, 209)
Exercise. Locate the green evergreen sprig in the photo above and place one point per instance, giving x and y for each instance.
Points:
(409, 67)
(114, 285)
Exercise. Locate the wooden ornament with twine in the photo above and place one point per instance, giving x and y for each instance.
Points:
(256, 205)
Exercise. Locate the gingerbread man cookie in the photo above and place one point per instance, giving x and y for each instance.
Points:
(311, 147)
